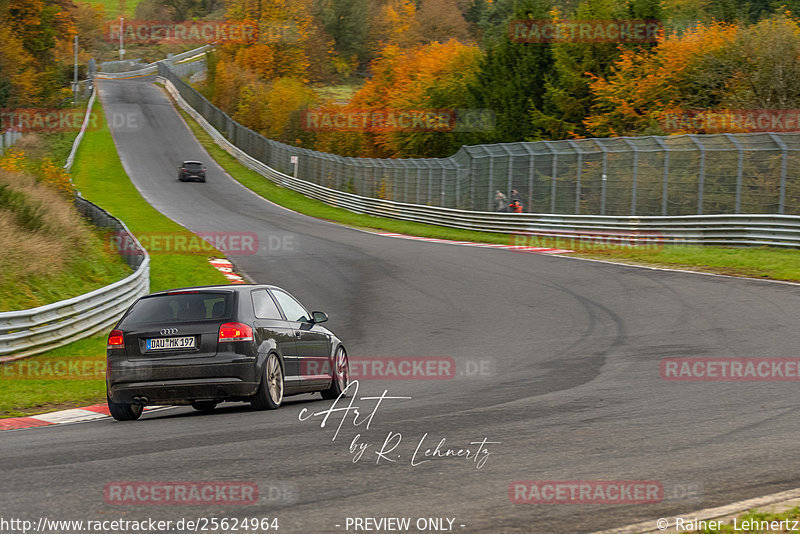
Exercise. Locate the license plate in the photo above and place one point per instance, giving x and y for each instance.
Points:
(161, 343)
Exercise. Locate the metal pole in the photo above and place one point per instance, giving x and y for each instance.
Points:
(430, 185)
(121, 41)
(578, 177)
(405, 187)
(664, 190)
(553, 174)
(635, 174)
(739, 171)
(531, 176)
(491, 182)
(75, 78)
(444, 173)
(784, 157)
(701, 179)
(603, 183)
(553, 183)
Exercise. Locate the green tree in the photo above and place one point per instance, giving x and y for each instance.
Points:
(513, 77)
(346, 22)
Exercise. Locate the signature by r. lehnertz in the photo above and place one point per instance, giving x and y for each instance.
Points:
(476, 452)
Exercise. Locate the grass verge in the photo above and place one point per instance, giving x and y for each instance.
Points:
(72, 375)
(49, 252)
(757, 262)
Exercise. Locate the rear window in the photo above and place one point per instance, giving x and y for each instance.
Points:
(193, 166)
(181, 307)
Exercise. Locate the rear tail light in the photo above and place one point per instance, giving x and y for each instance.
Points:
(235, 332)
(116, 340)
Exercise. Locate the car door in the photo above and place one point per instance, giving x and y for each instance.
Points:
(271, 325)
(313, 343)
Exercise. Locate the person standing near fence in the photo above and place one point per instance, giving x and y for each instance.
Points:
(516, 202)
(500, 202)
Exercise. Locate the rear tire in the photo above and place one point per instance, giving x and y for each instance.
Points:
(204, 406)
(270, 392)
(341, 375)
(124, 412)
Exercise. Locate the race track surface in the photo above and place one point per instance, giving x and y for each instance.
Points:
(570, 386)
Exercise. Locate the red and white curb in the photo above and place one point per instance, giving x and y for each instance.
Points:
(515, 248)
(74, 415)
(226, 268)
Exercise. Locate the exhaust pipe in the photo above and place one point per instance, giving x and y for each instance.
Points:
(141, 400)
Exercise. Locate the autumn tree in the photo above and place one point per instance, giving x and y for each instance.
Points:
(35, 49)
(441, 20)
(429, 78)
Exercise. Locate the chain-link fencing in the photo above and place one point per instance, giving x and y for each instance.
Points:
(623, 176)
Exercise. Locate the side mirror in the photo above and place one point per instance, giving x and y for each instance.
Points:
(318, 317)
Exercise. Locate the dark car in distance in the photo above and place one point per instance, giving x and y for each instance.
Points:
(192, 170)
(203, 345)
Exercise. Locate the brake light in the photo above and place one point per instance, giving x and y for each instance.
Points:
(235, 332)
(181, 292)
(116, 340)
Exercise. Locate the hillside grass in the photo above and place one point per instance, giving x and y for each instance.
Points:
(49, 252)
(116, 8)
(99, 175)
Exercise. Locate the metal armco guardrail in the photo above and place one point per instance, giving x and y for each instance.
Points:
(24, 333)
(775, 230)
(152, 68)
(27, 332)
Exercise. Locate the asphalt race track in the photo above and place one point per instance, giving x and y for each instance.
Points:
(558, 361)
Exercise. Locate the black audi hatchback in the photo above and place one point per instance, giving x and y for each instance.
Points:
(192, 170)
(200, 346)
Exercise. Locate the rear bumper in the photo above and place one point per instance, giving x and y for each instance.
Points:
(181, 380)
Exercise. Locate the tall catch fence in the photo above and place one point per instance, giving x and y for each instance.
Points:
(756, 173)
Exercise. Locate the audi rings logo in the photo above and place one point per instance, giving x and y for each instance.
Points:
(169, 331)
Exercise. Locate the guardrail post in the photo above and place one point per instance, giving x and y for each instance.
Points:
(444, 175)
(701, 178)
(491, 184)
(739, 171)
(419, 168)
(553, 174)
(784, 158)
(603, 176)
(531, 175)
(430, 184)
(635, 173)
(472, 173)
(509, 171)
(405, 185)
(664, 186)
(578, 177)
